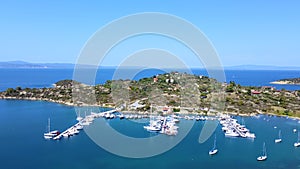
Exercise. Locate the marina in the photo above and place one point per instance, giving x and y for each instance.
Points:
(233, 129)
(243, 151)
(74, 130)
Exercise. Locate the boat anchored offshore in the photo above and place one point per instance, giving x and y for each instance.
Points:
(297, 144)
(214, 150)
(278, 140)
(50, 134)
(264, 156)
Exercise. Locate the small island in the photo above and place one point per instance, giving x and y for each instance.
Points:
(169, 92)
(291, 81)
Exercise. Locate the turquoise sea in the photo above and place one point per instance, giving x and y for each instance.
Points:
(22, 124)
(22, 145)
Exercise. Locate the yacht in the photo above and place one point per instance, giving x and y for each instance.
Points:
(297, 144)
(264, 156)
(50, 134)
(214, 150)
(152, 128)
(231, 133)
(278, 140)
(250, 135)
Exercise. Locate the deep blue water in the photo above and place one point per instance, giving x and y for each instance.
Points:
(22, 145)
(46, 77)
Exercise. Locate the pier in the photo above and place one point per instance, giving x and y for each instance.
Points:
(79, 126)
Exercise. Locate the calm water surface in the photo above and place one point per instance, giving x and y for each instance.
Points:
(22, 145)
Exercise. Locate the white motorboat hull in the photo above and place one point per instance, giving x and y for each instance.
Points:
(297, 144)
(278, 140)
(213, 152)
(261, 158)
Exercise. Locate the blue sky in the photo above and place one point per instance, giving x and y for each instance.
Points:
(243, 32)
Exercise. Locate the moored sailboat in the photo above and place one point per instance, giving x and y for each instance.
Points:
(264, 156)
(214, 150)
(297, 144)
(278, 140)
(50, 134)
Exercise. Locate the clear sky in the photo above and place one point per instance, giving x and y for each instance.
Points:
(262, 32)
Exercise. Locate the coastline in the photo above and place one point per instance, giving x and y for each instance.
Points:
(237, 99)
(143, 113)
(53, 101)
(284, 83)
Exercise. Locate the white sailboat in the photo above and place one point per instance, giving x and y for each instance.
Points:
(79, 118)
(50, 134)
(264, 156)
(214, 150)
(297, 144)
(278, 140)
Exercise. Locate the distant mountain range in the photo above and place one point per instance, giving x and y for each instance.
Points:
(261, 67)
(27, 65)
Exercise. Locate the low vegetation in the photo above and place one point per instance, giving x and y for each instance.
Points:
(175, 90)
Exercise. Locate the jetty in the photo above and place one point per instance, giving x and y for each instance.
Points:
(74, 129)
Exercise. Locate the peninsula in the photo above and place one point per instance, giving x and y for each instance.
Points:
(291, 81)
(172, 92)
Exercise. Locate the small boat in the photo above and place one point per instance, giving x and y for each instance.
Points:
(294, 130)
(66, 134)
(107, 116)
(264, 156)
(214, 150)
(250, 135)
(278, 140)
(58, 137)
(79, 127)
(152, 128)
(75, 131)
(297, 144)
(176, 120)
(231, 133)
(79, 118)
(85, 123)
(121, 116)
(50, 134)
(112, 116)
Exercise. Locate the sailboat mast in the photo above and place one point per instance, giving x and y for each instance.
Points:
(48, 124)
(264, 150)
(215, 141)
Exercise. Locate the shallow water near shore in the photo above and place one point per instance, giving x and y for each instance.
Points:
(22, 145)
